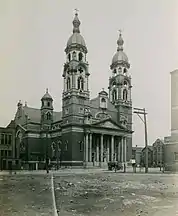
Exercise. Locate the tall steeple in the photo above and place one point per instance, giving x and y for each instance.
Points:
(120, 84)
(75, 73)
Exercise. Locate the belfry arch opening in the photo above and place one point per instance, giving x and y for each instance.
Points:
(80, 83)
(68, 83)
(114, 95)
(69, 56)
(80, 56)
(125, 95)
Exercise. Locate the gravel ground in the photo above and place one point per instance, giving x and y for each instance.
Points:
(89, 193)
(117, 194)
(25, 196)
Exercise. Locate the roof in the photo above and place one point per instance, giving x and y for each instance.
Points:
(35, 114)
(120, 56)
(76, 38)
(137, 148)
(47, 95)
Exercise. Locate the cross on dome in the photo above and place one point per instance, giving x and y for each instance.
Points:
(76, 11)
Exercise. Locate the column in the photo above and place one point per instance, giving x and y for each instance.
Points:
(86, 148)
(64, 84)
(90, 148)
(119, 150)
(125, 149)
(108, 152)
(112, 147)
(97, 150)
(122, 149)
(101, 147)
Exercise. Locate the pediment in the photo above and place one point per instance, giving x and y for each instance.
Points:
(108, 124)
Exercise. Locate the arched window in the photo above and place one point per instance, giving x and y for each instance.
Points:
(69, 57)
(48, 104)
(103, 103)
(115, 71)
(80, 56)
(103, 100)
(74, 55)
(125, 94)
(80, 83)
(48, 116)
(68, 83)
(125, 70)
(114, 83)
(125, 83)
(114, 95)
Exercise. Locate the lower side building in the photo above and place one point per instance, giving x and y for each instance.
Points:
(171, 153)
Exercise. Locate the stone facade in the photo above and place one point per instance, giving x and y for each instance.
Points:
(171, 142)
(87, 132)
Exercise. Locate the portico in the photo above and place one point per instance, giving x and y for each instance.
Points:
(105, 144)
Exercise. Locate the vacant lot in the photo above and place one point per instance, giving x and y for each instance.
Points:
(117, 194)
(25, 195)
(92, 193)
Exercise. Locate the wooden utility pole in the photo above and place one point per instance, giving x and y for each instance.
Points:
(142, 111)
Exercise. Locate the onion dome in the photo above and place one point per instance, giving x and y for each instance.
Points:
(47, 96)
(76, 39)
(120, 56)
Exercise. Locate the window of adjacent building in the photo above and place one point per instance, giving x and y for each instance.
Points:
(5, 153)
(10, 140)
(9, 153)
(176, 155)
(2, 153)
(2, 139)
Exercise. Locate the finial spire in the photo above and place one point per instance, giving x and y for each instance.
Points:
(76, 11)
(46, 90)
(120, 41)
(76, 22)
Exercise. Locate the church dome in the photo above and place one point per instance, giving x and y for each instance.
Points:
(119, 56)
(76, 38)
(47, 95)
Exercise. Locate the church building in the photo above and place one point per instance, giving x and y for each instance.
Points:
(87, 132)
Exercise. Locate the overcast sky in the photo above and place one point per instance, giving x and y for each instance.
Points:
(34, 34)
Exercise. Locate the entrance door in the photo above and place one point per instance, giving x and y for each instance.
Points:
(9, 165)
(4, 165)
